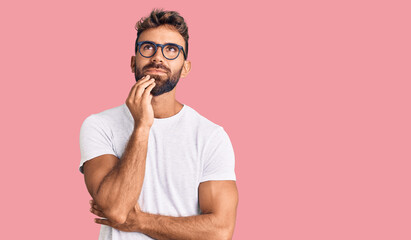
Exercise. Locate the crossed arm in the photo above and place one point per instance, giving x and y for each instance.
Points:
(115, 184)
(218, 203)
(115, 189)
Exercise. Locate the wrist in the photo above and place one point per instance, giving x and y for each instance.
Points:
(142, 124)
(139, 130)
(141, 221)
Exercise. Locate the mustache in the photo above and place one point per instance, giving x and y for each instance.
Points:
(154, 65)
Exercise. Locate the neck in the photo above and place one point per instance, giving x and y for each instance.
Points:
(166, 105)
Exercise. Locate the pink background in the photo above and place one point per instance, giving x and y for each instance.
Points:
(315, 96)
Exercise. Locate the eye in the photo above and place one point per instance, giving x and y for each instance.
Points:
(147, 47)
(172, 48)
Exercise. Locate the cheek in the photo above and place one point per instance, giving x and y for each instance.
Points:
(140, 59)
(140, 64)
(176, 66)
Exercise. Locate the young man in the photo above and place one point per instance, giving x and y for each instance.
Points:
(155, 167)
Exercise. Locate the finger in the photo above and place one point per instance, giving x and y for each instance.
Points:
(103, 221)
(92, 203)
(133, 89)
(96, 207)
(132, 93)
(144, 83)
(147, 91)
(143, 80)
(96, 212)
(142, 87)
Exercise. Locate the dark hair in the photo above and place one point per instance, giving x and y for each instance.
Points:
(159, 17)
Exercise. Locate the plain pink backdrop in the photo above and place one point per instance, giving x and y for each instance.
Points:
(315, 96)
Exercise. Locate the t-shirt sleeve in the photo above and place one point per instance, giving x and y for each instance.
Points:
(219, 159)
(95, 140)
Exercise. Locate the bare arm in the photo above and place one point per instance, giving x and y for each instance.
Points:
(218, 203)
(114, 184)
(117, 189)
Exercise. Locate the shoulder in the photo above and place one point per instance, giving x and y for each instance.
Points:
(109, 117)
(201, 124)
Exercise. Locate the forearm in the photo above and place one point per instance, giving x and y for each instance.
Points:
(205, 226)
(120, 189)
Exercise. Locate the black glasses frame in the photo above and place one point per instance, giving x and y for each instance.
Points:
(180, 48)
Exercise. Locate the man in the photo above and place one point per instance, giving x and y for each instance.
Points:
(156, 168)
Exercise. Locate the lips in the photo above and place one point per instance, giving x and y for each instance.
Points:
(155, 70)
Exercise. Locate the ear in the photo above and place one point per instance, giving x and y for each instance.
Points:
(133, 63)
(186, 68)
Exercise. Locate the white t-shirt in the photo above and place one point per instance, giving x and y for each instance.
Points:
(183, 151)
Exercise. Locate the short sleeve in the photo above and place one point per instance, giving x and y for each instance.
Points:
(219, 159)
(95, 140)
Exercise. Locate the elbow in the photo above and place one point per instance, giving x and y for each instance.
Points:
(225, 234)
(224, 230)
(115, 216)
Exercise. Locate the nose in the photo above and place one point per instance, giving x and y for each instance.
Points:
(158, 56)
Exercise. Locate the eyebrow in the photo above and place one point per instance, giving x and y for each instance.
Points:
(160, 43)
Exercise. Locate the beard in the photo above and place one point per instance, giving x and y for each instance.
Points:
(164, 84)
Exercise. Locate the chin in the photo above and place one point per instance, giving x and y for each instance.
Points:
(158, 77)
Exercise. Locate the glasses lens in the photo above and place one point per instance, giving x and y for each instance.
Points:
(170, 51)
(147, 49)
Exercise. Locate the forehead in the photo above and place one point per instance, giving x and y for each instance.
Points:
(162, 34)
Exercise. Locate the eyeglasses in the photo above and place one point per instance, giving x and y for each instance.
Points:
(170, 51)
